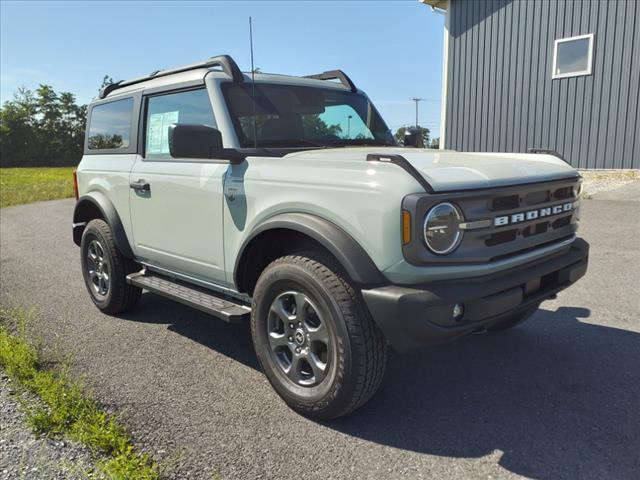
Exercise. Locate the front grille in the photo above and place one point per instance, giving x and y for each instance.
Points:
(537, 229)
(535, 197)
(561, 222)
(507, 202)
(563, 193)
(534, 224)
(501, 237)
(528, 231)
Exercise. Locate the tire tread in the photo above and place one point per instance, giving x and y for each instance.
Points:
(368, 345)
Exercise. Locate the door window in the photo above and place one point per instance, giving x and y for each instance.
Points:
(191, 107)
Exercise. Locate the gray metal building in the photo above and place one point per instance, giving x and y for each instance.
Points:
(562, 75)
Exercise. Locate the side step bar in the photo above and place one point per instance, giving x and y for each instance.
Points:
(204, 300)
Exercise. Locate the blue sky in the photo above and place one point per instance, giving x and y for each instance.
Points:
(391, 49)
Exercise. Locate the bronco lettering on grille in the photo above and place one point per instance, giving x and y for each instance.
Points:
(532, 214)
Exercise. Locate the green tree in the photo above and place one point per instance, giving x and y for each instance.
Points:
(106, 80)
(18, 128)
(423, 139)
(41, 128)
(315, 127)
(101, 140)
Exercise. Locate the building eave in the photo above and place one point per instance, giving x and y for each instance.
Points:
(436, 4)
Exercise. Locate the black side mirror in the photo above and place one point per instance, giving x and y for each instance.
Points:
(199, 141)
(412, 138)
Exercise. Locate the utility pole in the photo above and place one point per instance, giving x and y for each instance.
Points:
(417, 99)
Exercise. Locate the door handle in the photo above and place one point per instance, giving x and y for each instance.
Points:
(140, 186)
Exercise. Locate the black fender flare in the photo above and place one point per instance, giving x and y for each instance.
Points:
(82, 214)
(349, 253)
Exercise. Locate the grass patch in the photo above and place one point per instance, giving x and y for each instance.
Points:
(27, 185)
(67, 410)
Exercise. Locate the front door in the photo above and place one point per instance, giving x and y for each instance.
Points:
(177, 204)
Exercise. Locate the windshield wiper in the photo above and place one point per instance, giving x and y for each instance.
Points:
(292, 142)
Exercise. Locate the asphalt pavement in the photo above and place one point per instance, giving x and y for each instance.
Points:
(558, 397)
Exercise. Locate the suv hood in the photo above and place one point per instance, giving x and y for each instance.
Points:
(448, 170)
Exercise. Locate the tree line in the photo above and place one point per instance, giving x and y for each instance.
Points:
(41, 128)
(424, 137)
(46, 128)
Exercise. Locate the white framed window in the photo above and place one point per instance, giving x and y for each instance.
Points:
(573, 56)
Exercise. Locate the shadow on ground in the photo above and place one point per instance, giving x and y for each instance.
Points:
(558, 396)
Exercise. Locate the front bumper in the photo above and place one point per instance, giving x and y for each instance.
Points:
(412, 317)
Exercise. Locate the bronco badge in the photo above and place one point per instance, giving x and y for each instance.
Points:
(532, 214)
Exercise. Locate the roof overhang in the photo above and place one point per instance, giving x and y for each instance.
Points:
(439, 4)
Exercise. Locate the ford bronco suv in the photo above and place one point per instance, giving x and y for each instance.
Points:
(286, 201)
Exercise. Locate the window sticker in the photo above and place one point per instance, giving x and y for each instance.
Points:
(158, 131)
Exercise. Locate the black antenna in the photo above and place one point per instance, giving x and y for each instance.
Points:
(253, 88)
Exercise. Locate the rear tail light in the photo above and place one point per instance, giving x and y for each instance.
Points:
(75, 184)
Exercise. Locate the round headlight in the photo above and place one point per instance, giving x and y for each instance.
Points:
(442, 233)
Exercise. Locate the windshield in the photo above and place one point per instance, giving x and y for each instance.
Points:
(292, 116)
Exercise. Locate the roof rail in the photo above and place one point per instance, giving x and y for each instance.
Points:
(335, 75)
(229, 66)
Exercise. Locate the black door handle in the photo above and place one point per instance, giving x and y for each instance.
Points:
(140, 186)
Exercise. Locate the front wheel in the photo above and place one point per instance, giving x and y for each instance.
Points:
(314, 337)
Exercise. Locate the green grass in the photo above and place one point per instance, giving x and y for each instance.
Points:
(66, 408)
(27, 185)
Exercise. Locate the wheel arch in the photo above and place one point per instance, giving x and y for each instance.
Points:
(96, 205)
(290, 232)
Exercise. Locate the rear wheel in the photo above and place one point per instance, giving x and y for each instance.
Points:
(314, 337)
(512, 321)
(105, 269)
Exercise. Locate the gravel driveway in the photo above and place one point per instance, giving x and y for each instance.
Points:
(556, 398)
(25, 456)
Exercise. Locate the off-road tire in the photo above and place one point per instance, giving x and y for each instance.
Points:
(512, 321)
(359, 350)
(120, 296)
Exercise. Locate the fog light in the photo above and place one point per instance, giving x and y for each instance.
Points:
(458, 311)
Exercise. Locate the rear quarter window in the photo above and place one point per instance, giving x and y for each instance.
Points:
(110, 125)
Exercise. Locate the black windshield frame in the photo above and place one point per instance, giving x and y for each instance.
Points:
(380, 132)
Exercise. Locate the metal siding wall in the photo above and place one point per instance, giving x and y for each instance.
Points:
(501, 96)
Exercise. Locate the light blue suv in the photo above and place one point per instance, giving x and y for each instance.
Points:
(286, 201)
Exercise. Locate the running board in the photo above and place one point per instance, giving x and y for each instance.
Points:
(204, 300)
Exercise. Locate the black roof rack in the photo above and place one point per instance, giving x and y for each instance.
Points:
(229, 66)
(335, 75)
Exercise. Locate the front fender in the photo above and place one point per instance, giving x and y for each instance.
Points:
(353, 258)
